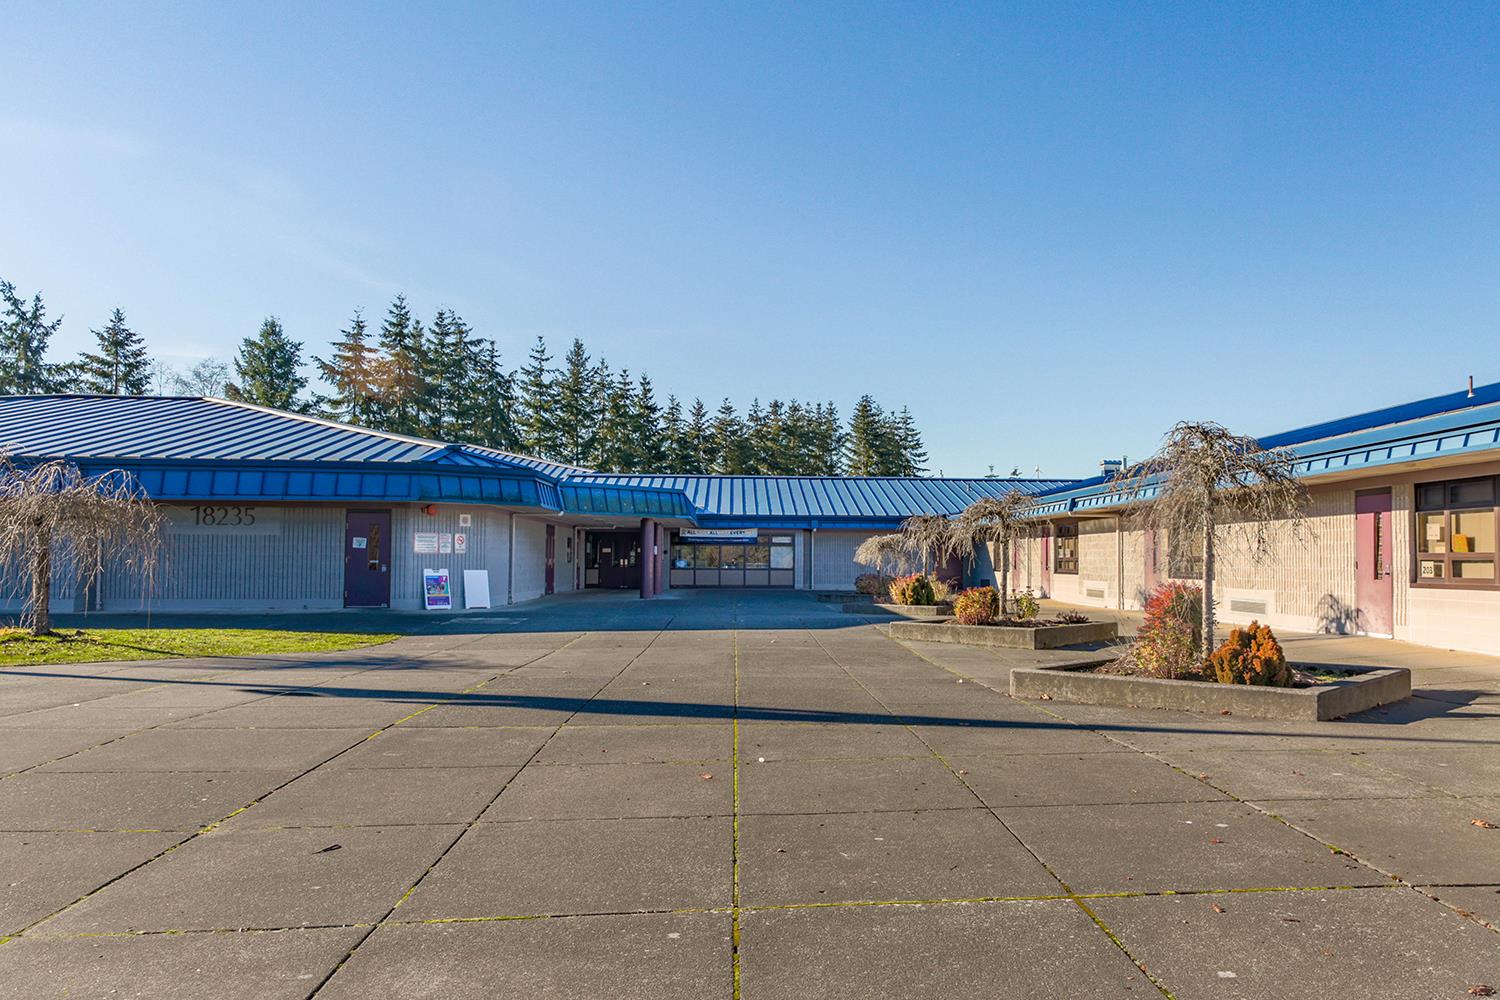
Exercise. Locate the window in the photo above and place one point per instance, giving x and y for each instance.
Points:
(781, 557)
(1457, 531)
(1065, 554)
(758, 556)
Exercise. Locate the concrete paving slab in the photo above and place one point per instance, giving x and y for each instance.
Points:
(1177, 847)
(583, 744)
(214, 750)
(124, 801)
(952, 951)
(378, 797)
(1296, 774)
(814, 741)
(21, 749)
(249, 879)
(1420, 840)
(106, 713)
(808, 786)
(579, 866)
(407, 746)
(1074, 779)
(1025, 735)
(937, 854)
(235, 966)
(291, 711)
(508, 711)
(1481, 902)
(46, 871)
(609, 791)
(1455, 770)
(1350, 945)
(648, 957)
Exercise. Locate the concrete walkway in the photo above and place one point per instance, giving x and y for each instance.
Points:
(725, 795)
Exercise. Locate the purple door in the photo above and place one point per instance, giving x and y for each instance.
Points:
(551, 558)
(1151, 572)
(1373, 589)
(367, 559)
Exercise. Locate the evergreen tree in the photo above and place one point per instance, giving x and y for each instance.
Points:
(576, 407)
(865, 445)
(401, 371)
(538, 425)
(352, 371)
(268, 369)
(648, 452)
(446, 362)
(755, 439)
(731, 452)
(615, 449)
(24, 335)
(913, 456)
(121, 368)
(696, 456)
(491, 405)
(674, 431)
(829, 439)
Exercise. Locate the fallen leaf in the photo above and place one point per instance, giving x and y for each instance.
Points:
(330, 847)
(1215, 840)
(1046, 697)
(705, 776)
(1484, 824)
(1481, 990)
(1225, 711)
(1218, 908)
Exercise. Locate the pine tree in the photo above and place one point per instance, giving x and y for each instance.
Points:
(576, 407)
(866, 431)
(731, 452)
(491, 406)
(909, 441)
(615, 449)
(829, 439)
(352, 371)
(268, 369)
(537, 387)
(445, 371)
(24, 335)
(697, 455)
(674, 431)
(121, 368)
(647, 451)
(402, 386)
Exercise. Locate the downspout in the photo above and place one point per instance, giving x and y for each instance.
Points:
(1119, 565)
(510, 564)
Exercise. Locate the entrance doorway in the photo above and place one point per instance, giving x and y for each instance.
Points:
(612, 560)
(367, 559)
(1373, 588)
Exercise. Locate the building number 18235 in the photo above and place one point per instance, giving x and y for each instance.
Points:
(225, 517)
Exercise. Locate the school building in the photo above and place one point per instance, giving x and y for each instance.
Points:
(280, 511)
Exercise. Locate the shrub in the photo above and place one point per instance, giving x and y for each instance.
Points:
(943, 590)
(1168, 641)
(977, 606)
(1250, 655)
(874, 584)
(1073, 618)
(1024, 605)
(912, 589)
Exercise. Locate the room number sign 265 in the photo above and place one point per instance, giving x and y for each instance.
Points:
(223, 517)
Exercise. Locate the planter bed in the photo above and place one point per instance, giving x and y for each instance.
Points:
(1006, 636)
(1358, 690)
(843, 597)
(905, 610)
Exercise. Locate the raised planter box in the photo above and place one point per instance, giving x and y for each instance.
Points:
(843, 597)
(903, 610)
(1006, 636)
(1367, 688)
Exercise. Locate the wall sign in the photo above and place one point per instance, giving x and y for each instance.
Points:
(437, 593)
(465, 520)
(223, 520)
(425, 542)
(460, 544)
(445, 544)
(719, 534)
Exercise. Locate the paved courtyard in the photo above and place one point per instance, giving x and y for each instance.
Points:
(728, 795)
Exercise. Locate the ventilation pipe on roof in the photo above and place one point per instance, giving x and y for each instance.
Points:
(1471, 386)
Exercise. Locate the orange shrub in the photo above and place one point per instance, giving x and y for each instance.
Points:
(913, 589)
(1250, 655)
(977, 606)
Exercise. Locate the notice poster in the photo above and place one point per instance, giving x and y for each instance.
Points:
(425, 542)
(445, 544)
(460, 544)
(437, 590)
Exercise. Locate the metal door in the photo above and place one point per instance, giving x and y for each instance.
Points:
(367, 559)
(1374, 592)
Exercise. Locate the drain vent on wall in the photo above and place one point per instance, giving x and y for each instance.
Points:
(1248, 607)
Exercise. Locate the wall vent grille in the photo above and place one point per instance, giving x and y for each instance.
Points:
(1245, 607)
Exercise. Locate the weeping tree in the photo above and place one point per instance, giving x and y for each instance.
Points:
(998, 520)
(927, 537)
(56, 521)
(1202, 477)
(885, 554)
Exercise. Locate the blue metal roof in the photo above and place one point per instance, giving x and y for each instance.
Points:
(1448, 403)
(820, 498)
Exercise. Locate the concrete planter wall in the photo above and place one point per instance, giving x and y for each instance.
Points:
(917, 610)
(1006, 636)
(1368, 688)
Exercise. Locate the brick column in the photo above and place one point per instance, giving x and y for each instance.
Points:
(648, 557)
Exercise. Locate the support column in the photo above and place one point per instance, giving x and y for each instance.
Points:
(648, 557)
(661, 559)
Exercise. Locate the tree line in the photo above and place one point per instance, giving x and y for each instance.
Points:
(442, 380)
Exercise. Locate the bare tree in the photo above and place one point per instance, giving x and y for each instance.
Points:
(927, 537)
(1204, 476)
(883, 553)
(54, 519)
(1001, 520)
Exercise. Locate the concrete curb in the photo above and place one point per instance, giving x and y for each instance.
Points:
(1006, 637)
(1375, 686)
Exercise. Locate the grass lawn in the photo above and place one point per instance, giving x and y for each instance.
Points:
(19, 648)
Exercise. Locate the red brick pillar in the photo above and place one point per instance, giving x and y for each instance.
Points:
(648, 557)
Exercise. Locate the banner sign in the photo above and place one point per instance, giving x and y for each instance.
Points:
(747, 535)
(437, 590)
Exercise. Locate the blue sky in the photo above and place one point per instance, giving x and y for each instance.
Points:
(1049, 229)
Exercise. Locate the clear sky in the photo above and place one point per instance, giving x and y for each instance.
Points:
(1049, 229)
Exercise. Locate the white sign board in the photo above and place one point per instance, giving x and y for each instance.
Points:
(461, 544)
(476, 588)
(425, 542)
(445, 543)
(719, 534)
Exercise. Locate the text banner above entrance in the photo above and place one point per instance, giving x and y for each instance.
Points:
(746, 535)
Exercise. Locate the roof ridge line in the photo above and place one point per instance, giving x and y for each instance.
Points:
(322, 421)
